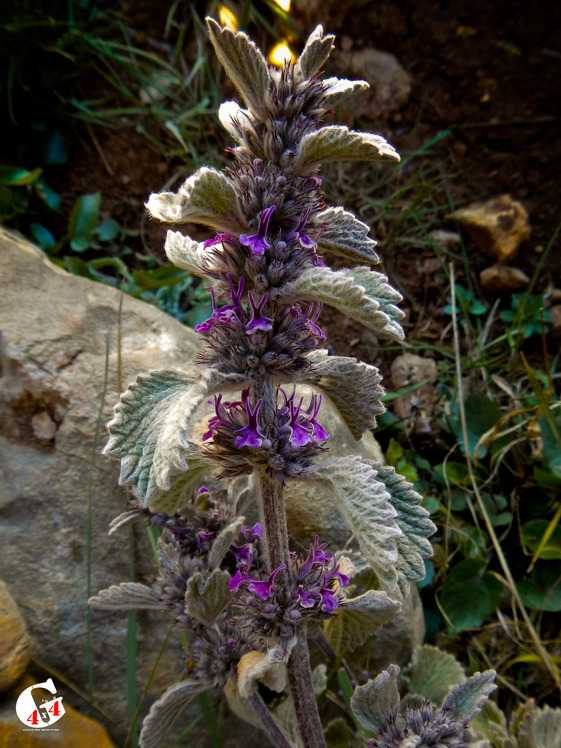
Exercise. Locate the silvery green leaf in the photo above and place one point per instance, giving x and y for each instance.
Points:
(338, 143)
(234, 119)
(346, 236)
(166, 710)
(377, 288)
(223, 541)
(431, 673)
(354, 388)
(319, 678)
(242, 491)
(415, 523)
(365, 298)
(185, 253)
(377, 699)
(366, 508)
(358, 618)
(316, 51)
(338, 90)
(206, 197)
(182, 485)
(491, 724)
(126, 596)
(244, 63)
(466, 699)
(148, 431)
(206, 598)
(541, 728)
(124, 519)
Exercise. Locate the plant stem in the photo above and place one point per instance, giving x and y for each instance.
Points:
(275, 534)
(302, 692)
(269, 722)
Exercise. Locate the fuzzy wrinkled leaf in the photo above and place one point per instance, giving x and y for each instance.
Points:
(126, 596)
(148, 431)
(182, 485)
(466, 699)
(244, 64)
(377, 699)
(432, 673)
(206, 197)
(360, 293)
(268, 667)
(338, 143)
(415, 523)
(206, 598)
(234, 119)
(165, 711)
(358, 618)
(223, 541)
(367, 509)
(353, 387)
(541, 728)
(345, 236)
(338, 90)
(491, 725)
(185, 253)
(316, 51)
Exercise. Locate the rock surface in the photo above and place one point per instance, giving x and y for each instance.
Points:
(59, 352)
(390, 84)
(415, 407)
(503, 278)
(498, 226)
(15, 645)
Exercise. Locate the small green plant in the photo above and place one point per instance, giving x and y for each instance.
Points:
(527, 315)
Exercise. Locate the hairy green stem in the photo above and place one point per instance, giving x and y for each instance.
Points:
(269, 722)
(302, 692)
(275, 534)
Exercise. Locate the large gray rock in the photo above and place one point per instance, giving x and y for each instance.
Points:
(59, 380)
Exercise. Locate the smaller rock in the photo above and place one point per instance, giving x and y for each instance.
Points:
(15, 645)
(498, 226)
(43, 426)
(390, 84)
(500, 278)
(446, 239)
(416, 407)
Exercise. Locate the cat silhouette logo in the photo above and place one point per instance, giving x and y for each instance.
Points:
(38, 706)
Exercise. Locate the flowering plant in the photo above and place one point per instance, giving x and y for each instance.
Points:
(245, 598)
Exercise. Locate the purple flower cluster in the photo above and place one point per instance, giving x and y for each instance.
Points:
(311, 589)
(259, 337)
(241, 439)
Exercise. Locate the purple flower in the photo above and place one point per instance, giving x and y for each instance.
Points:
(243, 554)
(304, 239)
(227, 314)
(264, 590)
(258, 321)
(202, 537)
(306, 599)
(320, 434)
(237, 580)
(250, 436)
(258, 242)
(328, 599)
(316, 556)
(218, 239)
(255, 531)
